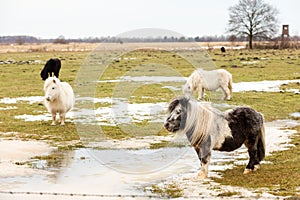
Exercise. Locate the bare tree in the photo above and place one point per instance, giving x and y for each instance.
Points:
(254, 19)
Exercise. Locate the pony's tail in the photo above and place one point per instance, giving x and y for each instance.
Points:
(230, 86)
(261, 145)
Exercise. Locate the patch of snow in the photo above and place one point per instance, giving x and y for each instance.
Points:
(261, 86)
(295, 114)
(30, 99)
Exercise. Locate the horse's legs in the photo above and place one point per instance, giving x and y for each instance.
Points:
(62, 117)
(204, 155)
(200, 92)
(204, 167)
(253, 164)
(226, 92)
(53, 119)
(56, 74)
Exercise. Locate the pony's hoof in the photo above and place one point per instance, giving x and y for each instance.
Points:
(247, 171)
(201, 175)
(256, 167)
(62, 124)
(53, 124)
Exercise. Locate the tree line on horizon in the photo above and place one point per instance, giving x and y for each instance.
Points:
(62, 40)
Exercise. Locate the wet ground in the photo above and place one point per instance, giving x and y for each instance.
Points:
(128, 167)
(120, 171)
(122, 111)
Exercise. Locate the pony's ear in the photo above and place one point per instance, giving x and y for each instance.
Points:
(172, 105)
(55, 79)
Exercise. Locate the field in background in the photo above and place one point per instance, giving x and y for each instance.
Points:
(50, 47)
(75, 47)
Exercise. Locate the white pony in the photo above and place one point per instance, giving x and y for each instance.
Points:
(59, 98)
(209, 80)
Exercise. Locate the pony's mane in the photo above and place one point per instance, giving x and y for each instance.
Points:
(199, 117)
(49, 81)
(199, 120)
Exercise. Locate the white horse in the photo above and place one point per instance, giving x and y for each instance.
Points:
(59, 98)
(209, 80)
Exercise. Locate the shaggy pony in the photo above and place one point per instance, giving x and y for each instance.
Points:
(59, 98)
(209, 80)
(52, 65)
(209, 129)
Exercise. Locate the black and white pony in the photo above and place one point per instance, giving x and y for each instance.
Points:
(52, 65)
(209, 129)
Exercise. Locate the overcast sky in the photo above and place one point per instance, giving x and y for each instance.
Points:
(96, 18)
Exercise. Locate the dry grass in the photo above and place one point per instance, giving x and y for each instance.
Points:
(47, 47)
(87, 47)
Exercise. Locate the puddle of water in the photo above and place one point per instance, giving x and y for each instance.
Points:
(121, 112)
(146, 79)
(133, 143)
(262, 86)
(153, 79)
(16, 151)
(32, 118)
(30, 100)
(249, 62)
(295, 114)
(91, 176)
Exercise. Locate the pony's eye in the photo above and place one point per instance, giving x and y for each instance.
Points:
(178, 112)
(53, 88)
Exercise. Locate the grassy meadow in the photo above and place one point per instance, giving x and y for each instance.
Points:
(17, 79)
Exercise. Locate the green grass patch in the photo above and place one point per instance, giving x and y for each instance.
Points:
(169, 191)
(273, 105)
(151, 94)
(36, 129)
(290, 86)
(259, 65)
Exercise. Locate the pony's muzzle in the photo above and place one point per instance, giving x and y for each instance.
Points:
(48, 98)
(166, 125)
(169, 125)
